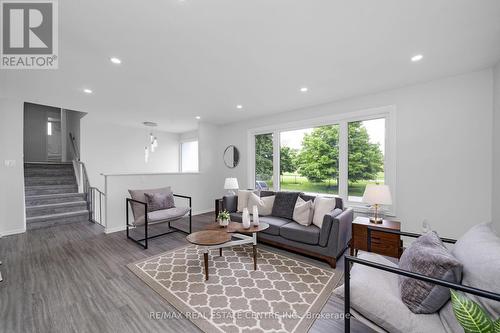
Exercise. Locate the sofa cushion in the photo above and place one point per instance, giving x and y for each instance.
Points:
(236, 217)
(303, 212)
(275, 223)
(300, 233)
(138, 209)
(322, 206)
(165, 215)
(284, 203)
(428, 256)
(264, 204)
(479, 252)
(159, 200)
(375, 295)
(449, 320)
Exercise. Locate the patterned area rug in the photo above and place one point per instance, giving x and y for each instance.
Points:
(283, 295)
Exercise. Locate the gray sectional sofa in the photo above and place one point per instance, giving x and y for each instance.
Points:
(327, 243)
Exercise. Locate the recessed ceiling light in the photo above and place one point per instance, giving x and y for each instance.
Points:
(115, 60)
(304, 89)
(239, 106)
(87, 91)
(417, 57)
(198, 117)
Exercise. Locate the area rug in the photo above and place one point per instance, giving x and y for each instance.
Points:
(283, 295)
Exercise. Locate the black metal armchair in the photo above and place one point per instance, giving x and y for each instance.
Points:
(349, 260)
(170, 215)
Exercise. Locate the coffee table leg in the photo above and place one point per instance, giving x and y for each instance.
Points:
(205, 259)
(220, 251)
(254, 257)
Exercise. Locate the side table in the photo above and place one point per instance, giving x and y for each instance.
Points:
(366, 237)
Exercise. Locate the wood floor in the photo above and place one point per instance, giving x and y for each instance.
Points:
(73, 278)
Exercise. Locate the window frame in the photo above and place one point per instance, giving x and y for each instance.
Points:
(387, 112)
(181, 142)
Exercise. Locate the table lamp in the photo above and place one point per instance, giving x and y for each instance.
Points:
(231, 184)
(377, 195)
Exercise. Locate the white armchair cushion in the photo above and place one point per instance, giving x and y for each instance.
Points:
(375, 295)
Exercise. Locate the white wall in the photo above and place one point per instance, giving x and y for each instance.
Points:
(496, 148)
(202, 186)
(12, 216)
(111, 148)
(444, 162)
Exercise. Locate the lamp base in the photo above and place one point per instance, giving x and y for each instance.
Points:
(376, 220)
(231, 193)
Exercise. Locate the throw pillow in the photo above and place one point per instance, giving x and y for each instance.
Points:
(159, 201)
(427, 256)
(303, 212)
(264, 204)
(243, 196)
(322, 206)
(284, 203)
(138, 209)
(479, 251)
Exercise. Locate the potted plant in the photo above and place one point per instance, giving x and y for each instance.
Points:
(223, 218)
(471, 316)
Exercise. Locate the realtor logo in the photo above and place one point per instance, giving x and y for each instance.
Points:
(29, 35)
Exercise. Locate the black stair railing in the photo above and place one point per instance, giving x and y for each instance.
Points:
(93, 196)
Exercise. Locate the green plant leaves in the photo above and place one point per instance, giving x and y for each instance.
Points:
(470, 315)
(496, 324)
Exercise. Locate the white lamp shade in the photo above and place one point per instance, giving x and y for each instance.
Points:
(377, 195)
(231, 184)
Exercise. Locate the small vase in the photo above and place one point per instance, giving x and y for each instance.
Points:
(255, 216)
(246, 218)
(223, 223)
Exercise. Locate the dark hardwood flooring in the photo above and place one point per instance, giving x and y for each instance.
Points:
(73, 278)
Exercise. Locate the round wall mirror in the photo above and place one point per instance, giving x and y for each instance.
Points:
(231, 157)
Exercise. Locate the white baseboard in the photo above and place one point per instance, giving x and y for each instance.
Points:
(13, 232)
(116, 229)
(121, 228)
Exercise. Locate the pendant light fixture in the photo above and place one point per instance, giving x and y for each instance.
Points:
(152, 142)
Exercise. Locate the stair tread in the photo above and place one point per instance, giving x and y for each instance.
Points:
(58, 195)
(49, 163)
(58, 204)
(49, 186)
(58, 215)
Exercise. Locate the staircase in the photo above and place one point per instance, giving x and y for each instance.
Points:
(52, 195)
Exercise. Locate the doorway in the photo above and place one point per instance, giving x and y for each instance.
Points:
(42, 133)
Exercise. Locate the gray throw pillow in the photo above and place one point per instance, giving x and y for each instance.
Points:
(138, 209)
(284, 204)
(159, 201)
(427, 256)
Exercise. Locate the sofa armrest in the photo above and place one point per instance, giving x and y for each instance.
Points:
(340, 232)
(230, 203)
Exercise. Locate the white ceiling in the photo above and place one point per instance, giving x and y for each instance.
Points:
(203, 57)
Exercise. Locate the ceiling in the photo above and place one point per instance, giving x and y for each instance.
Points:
(187, 58)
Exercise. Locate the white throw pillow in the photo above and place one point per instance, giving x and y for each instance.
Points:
(264, 204)
(322, 206)
(243, 196)
(303, 212)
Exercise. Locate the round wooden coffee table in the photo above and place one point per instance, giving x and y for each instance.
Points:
(208, 239)
(237, 230)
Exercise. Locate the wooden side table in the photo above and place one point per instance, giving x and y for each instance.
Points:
(365, 237)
